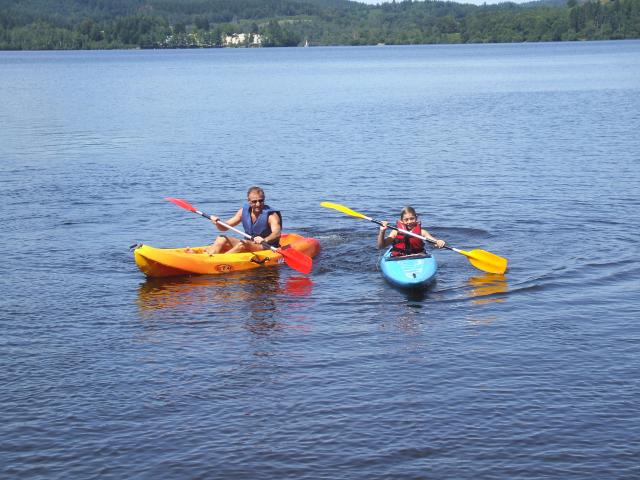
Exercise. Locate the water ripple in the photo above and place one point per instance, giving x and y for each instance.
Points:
(272, 374)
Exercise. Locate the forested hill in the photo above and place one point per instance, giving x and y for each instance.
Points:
(90, 24)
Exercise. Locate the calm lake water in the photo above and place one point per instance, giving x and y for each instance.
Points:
(529, 151)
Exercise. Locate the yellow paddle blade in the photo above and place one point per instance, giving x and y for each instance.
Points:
(486, 261)
(482, 260)
(343, 209)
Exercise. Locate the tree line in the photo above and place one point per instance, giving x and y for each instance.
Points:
(100, 24)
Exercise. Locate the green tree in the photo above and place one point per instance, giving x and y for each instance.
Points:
(202, 23)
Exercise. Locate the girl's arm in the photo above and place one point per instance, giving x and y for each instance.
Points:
(438, 242)
(385, 242)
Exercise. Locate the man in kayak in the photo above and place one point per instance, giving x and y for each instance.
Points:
(258, 219)
(405, 244)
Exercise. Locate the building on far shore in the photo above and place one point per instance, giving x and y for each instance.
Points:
(238, 39)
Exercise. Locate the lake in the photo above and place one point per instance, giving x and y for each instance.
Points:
(529, 151)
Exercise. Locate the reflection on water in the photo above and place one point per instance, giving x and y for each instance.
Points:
(261, 304)
(416, 297)
(176, 292)
(408, 321)
(298, 286)
(253, 296)
(485, 287)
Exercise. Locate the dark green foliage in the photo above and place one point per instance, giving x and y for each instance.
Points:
(83, 24)
(276, 36)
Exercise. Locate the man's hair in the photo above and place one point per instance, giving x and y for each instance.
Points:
(258, 190)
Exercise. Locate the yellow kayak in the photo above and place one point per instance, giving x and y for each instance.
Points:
(169, 262)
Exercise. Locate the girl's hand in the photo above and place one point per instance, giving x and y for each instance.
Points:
(440, 243)
(383, 227)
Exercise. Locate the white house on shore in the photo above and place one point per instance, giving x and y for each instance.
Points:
(236, 39)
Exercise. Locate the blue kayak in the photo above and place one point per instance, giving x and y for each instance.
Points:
(410, 271)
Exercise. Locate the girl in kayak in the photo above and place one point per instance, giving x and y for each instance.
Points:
(405, 244)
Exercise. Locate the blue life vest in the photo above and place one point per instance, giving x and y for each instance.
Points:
(261, 226)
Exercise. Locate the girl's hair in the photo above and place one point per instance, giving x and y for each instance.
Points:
(406, 210)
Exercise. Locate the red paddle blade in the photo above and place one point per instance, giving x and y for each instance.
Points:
(296, 260)
(181, 203)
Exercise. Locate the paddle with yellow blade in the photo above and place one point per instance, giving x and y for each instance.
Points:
(293, 258)
(481, 259)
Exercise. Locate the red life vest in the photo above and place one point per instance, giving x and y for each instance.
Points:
(405, 244)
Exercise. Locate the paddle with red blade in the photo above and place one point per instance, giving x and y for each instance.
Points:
(293, 258)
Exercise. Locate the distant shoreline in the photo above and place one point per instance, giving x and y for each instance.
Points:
(127, 49)
(288, 23)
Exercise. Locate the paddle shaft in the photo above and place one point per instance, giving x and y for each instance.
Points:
(411, 234)
(295, 259)
(472, 256)
(239, 232)
(486, 261)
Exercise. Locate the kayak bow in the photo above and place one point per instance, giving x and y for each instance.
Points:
(409, 271)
